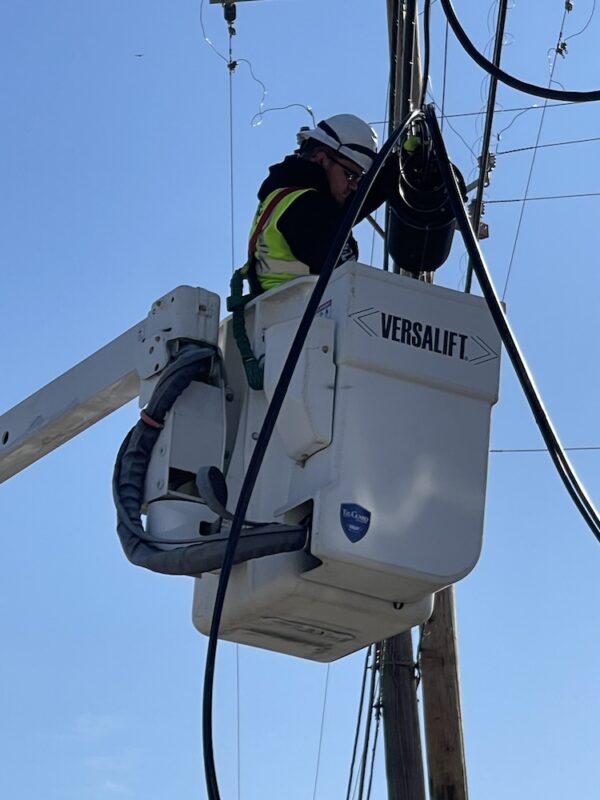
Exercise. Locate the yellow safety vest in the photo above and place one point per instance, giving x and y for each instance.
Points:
(273, 259)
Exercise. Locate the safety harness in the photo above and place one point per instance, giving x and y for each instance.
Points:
(237, 300)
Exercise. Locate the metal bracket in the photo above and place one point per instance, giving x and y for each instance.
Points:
(187, 313)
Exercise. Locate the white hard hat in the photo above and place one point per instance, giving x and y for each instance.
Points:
(348, 135)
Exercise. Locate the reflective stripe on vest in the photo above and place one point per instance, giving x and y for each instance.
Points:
(275, 263)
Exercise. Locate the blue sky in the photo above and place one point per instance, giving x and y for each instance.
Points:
(115, 173)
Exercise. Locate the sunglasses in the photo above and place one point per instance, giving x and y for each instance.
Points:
(351, 177)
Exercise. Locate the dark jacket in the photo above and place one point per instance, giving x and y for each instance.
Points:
(310, 224)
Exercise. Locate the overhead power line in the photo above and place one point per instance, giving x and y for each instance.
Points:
(539, 449)
(481, 112)
(534, 107)
(545, 197)
(549, 144)
(460, 136)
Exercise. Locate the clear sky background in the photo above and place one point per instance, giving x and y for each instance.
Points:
(116, 187)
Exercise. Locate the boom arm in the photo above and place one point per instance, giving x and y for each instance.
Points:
(106, 380)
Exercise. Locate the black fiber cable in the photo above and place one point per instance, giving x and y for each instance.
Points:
(557, 453)
(504, 77)
(265, 435)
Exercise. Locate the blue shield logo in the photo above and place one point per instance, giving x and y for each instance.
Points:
(355, 521)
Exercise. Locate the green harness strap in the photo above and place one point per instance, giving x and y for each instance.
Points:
(237, 300)
(236, 303)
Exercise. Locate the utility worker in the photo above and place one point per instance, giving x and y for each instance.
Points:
(301, 205)
(304, 198)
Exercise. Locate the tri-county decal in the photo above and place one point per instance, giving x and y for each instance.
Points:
(424, 336)
(355, 521)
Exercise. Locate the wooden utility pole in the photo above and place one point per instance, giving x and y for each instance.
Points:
(438, 656)
(441, 702)
(403, 756)
(405, 76)
(439, 650)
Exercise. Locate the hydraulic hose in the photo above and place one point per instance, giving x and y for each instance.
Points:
(195, 555)
(192, 363)
(265, 435)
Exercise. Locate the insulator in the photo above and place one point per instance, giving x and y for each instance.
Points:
(230, 12)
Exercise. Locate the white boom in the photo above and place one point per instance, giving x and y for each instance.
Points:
(103, 382)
